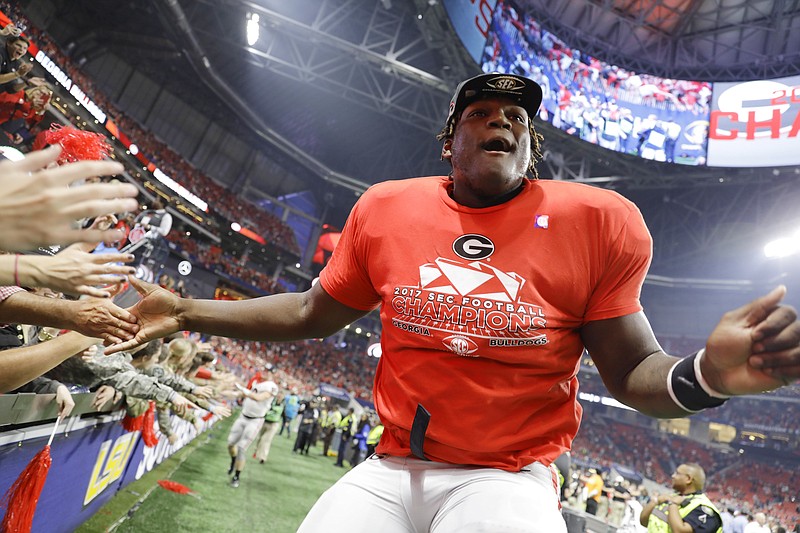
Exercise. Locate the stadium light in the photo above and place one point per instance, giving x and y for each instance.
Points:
(783, 247)
(252, 28)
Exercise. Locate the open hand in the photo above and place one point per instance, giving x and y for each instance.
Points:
(101, 318)
(155, 314)
(754, 348)
(38, 207)
(76, 271)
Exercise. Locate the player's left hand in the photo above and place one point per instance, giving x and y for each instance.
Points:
(754, 348)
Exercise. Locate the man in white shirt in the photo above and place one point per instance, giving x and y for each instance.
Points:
(256, 403)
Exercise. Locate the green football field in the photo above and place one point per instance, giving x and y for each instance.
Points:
(272, 497)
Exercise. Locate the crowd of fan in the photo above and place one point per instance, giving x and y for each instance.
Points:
(570, 68)
(303, 365)
(35, 94)
(213, 258)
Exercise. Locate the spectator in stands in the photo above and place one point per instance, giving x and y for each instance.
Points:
(38, 208)
(12, 51)
(95, 369)
(22, 110)
(758, 524)
(501, 396)
(687, 510)
(740, 520)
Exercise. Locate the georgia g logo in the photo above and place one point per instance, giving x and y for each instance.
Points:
(473, 246)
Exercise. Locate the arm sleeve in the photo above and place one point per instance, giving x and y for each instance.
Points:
(619, 286)
(164, 423)
(703, 520)
(169, 379)
(346, 278)
(133, 383)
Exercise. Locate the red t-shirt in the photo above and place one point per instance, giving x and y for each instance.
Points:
(481, 309)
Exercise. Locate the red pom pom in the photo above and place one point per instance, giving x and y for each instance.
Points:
(76, 145)
(148, 430)
(174, 486)
(21, 499)
(133, 423)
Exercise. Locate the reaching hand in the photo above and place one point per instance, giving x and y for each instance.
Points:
(221, 411)
(100, 318)
(103, 395)
(203, 392)
(179, 403)
(38, 207)
(64, 401)
(75, 271)
(754, 348)
(155, 313)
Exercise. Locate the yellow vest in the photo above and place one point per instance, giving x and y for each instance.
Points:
(375, 435)
(658, 518)
(346, 423)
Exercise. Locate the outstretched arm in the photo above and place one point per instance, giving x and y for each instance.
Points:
(93, 317)
(753, 349)
(279, 317)
(20, 365)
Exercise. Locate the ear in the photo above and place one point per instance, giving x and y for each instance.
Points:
(446, 153)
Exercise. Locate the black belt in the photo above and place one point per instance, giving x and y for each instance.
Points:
(251, 417)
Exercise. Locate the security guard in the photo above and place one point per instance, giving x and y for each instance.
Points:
(687, 511)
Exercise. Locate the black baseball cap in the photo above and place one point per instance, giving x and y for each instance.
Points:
(523, 90)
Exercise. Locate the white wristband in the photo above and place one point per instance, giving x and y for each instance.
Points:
(702, 381)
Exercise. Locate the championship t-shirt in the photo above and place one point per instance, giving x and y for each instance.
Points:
(481, 309)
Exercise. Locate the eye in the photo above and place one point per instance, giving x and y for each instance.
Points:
(519, 118)
(477, 113)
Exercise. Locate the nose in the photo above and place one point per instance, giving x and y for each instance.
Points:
(499, 120)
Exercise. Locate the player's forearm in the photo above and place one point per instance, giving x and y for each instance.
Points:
(280, 317)
(645, 388)
(20, 365)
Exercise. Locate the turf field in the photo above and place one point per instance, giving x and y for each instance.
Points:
(273, 497)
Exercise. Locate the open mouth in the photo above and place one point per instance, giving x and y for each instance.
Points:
(496, 145)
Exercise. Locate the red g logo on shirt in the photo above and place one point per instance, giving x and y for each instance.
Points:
(473, 246)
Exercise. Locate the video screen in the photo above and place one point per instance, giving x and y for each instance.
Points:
(654, 118)
(755, 123)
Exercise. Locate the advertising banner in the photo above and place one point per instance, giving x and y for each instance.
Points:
(755, 123)
(90, 464)
(471, 20)
(86, 472)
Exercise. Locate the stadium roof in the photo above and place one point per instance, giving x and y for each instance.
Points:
(340, 94)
